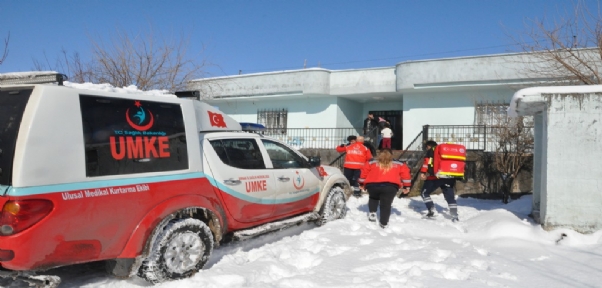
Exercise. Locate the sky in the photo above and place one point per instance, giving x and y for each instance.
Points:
(493, 245)
(263, 36)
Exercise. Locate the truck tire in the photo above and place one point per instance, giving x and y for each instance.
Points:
(334, 207)
(181, 249)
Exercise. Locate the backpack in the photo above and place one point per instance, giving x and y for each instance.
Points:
(449, 160)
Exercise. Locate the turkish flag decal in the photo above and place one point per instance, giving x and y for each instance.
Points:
(216, 119)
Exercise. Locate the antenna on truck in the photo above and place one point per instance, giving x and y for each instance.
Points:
(35, 77)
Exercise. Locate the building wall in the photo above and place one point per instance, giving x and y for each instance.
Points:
(434, 92)
(365, 81)
(445, 107)
(303, 112)
(574, 174)
(503, 69)
(349, 114)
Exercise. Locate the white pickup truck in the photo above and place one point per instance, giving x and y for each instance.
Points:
(149, 183)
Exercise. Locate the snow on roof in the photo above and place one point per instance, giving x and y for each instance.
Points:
(534, 94)
(23, 75)
(132, 89)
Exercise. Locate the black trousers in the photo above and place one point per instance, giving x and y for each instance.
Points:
(381, 195)
(352, 175)
(447, 187)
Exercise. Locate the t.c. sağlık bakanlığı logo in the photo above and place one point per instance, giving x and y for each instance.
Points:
(139, 143)
(141, 117)
(298, 181)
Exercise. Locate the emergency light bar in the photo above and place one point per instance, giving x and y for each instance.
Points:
(251, 126)
(39, 77)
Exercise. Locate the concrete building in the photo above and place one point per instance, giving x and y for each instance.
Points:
(568, 137)
(409, 94)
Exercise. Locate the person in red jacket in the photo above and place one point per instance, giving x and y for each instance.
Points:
(431, 184)
(356, 155)
(382, 178)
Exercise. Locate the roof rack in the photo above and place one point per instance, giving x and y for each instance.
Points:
(37, 77)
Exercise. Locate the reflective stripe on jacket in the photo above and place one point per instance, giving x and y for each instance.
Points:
(399, 174)
(357, 155)
(428, 164)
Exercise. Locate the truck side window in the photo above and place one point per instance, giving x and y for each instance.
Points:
(12, 105)
(282, 157)
(126, 136)
(239, 153)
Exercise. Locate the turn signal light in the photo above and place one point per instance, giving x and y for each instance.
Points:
(18, 215)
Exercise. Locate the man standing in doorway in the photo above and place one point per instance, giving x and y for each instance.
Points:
(371, 129)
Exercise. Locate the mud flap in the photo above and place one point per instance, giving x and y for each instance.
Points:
(38, 281)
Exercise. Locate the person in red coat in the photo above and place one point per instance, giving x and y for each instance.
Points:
(356, 155)
(382, 178)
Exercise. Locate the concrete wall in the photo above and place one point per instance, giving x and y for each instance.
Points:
(303, 112)
(573, 173)
(349, 114)
(375, 80)
(488, 70)
(445, 107)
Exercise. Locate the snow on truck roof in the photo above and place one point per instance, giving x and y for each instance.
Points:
(208, 118)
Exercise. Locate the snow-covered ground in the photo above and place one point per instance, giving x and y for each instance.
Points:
(494, 245)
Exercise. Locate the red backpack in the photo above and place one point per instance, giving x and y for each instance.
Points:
(449, 160)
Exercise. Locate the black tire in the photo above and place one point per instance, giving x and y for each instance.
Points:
(180, 250)
(334, 207)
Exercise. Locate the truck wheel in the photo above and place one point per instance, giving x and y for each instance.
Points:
(334, 207)
(181, 249)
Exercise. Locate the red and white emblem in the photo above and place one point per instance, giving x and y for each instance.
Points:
(298, 181)
(216, 119)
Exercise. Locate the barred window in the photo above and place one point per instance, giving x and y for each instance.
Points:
(273, 119)
(491, 114)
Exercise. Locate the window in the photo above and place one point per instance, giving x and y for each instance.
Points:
(491, 114)
(239, 153)
(273, 119)
(283, 157)
(124, 136)
(12, 105)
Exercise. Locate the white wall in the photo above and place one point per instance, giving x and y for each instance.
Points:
(441, 107)
(574, 173)
(310, 111)
(538, 151)
(349, 114)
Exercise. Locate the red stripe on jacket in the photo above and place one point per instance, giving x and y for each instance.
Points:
(399, 174)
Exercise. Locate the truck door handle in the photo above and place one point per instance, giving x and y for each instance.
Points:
(284, 179)
(231, 182)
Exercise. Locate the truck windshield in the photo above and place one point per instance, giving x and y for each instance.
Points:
(12, 105)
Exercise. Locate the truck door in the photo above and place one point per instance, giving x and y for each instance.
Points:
(243, 182)
(298, 186)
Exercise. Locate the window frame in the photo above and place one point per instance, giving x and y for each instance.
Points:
(228, 153)
(304, 163)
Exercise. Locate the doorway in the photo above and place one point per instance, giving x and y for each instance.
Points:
(395, 119)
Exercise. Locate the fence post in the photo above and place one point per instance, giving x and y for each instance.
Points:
(485, 137)
(425, 135)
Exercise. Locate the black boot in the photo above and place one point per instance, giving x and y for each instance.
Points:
(431, 212)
